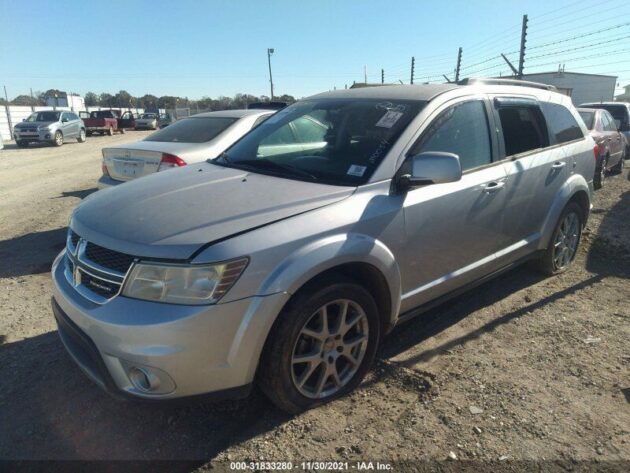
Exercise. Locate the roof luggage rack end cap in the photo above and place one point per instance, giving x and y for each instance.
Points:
(513, 82)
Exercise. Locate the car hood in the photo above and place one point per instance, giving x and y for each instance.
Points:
(174, 213)
(32, 124)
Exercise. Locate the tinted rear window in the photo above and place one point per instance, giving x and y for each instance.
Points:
(561, 123)
(589, 119)
(619, 112)
(192, 130)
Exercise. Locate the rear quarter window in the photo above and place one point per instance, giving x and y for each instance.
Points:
(562, 125)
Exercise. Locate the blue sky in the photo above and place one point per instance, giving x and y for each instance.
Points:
(210, 48)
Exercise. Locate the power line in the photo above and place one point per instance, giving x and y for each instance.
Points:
(555, 53)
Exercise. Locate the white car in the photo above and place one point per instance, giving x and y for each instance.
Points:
(148, 121)
(189, 140)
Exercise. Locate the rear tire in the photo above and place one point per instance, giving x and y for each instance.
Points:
(600, 173)
(81, 138)
(564, 242)
(110, 131)
(58, 140)
(618, 169)
(337, 353)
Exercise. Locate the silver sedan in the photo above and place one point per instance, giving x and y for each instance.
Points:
(189, 140)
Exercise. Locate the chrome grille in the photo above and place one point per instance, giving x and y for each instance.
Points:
(97, 273)
(119, 262)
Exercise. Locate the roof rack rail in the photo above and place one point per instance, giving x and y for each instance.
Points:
(516, 82)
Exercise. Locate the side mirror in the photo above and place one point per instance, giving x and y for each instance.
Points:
(434, 167)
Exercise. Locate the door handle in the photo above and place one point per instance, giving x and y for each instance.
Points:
(558, 165)
(494, 186)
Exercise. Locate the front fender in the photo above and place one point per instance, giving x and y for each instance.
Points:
(576, 183)
(319, 256)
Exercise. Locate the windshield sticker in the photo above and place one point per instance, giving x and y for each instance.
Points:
(389, 119)
(356, 170)
(391, 107)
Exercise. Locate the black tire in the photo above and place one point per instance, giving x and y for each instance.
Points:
(547, 261)
(89, 133)
(82, 136)
(58, 138)
(21, 143)
(618, 168)
(600, 173)
(110, 131)
(122, 131)
(276, 371)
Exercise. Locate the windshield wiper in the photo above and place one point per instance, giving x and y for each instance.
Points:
(267, 163)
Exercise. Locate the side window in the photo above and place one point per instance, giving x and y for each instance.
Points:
(310, 130)
(463, 130)
(523, 128)
(65, 117)
(561, 122)
(608, 123)
(73, 116)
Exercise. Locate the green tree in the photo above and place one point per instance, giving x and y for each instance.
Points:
(25, 100)
(122, 99)
(106, 100)
(91, 99)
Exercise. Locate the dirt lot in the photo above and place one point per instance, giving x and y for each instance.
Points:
(525, 372)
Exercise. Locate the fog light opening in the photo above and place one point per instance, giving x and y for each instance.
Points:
(143, 379)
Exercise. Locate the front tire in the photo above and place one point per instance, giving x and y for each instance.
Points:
(81, 138)
(58, 140)
(321, 346)
(565, 241)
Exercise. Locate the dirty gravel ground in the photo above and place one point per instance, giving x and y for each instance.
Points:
(523, 373)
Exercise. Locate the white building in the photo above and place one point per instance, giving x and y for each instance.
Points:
(75, 102)
(625, 97)
(580, 87)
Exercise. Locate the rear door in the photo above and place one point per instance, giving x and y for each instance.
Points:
(534, 138)
(614, 141)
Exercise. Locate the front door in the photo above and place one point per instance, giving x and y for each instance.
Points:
(454, 229)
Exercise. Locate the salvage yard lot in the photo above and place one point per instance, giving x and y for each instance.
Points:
(522, 368)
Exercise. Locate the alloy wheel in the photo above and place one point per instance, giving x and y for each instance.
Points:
(566, 241)
(329, 349)
(58, 138)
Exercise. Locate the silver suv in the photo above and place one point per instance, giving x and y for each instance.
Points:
(49, 127)
(288, 258)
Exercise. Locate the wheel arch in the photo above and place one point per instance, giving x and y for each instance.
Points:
(575, 189)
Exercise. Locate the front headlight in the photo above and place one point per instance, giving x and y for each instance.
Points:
(179, 284)
(44, 127)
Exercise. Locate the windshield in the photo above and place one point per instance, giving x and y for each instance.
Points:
(148, 115)
(43, 117)
(588, 118)
(337, 141)
(192, 130)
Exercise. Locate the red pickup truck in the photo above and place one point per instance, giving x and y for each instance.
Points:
(108, 121)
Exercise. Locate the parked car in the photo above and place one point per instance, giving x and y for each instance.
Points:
(611, 144)
(620, 112)
(287, 259)
(190, 140)
(108, 121)
(149, 121)
(165, 120)
(49, 126)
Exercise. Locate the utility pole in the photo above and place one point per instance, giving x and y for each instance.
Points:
(521, 57)
(365, 75)
(6, 108)
(270, 51)
(459, 63)
(413, 65)
(382, 76)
